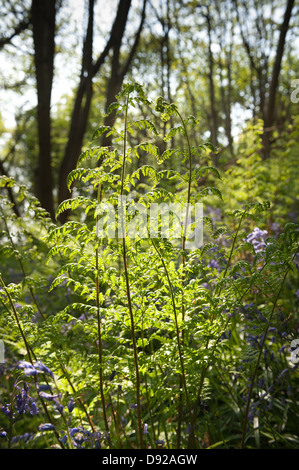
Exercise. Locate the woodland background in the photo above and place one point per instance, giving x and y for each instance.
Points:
(229, 63)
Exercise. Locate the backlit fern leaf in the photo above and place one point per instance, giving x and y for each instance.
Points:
(145, 124)
(72, 204)
(209, 191)
(92, 152)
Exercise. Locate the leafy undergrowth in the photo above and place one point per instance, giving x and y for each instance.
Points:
(157, 339)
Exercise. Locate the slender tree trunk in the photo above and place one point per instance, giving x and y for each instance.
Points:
(269, 112)
(213, 113)
(43, 16)
(228, 119)
(118, 70)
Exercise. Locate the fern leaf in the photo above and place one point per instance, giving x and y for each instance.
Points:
(72, 204)
(211, 190)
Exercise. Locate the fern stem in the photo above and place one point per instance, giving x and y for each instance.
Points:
(176, 324)
(126, 273)
(99, 326)
(183, 378)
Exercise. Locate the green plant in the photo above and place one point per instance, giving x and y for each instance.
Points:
(158, 343)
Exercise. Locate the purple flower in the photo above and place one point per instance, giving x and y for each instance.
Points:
(24, 401)
(34, 409)
(28, 368)
(46, 427)
(257, 238)
(71, 405)
(47, 396)
(160, 443)
(26, 365)
(6, 410)
(213, 264)
(40, 366)
(74, 431)
(59, 407)
(112, 375)
(132, 406)
(43, 388)
(145, 429)
(282, 374)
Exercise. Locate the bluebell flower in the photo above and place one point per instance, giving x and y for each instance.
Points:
(74, 431)
(63, 439)
(59, 407)
(43, 387)
(261, 383)
(24, 401)
(71, 405)
(28, 368)
(282, 374)
(112, 375)
(6, 410)
(34, 409)
(23, 437)
(3, 433)
(26, 364)
(213, 264)
(132, 406)
(262, 318)
(46, 427)
(145, 428)
(257, 238)
(47, 396)
(81, 435)
(160, 443)
(40, 366)
(98, 444)
(30, 372)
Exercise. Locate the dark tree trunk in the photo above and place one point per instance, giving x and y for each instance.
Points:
(213, 113)
(84, 95)
(43, 16)
(269, 112)
(80, 110)
(119, 71)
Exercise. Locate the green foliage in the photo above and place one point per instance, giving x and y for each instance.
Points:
(153, 340)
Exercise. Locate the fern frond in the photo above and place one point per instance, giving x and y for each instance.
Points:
(198, 172)
(72, 204)
(145, 124)
(92, 152)
(211, 190)
(104, 129)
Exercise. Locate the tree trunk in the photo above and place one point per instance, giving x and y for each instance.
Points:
(119, 71)
(269, 112)
(43, 16)
(213, 113)
(84, 95)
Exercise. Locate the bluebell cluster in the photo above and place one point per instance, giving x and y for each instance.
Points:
(258, 239)
(23, 403)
